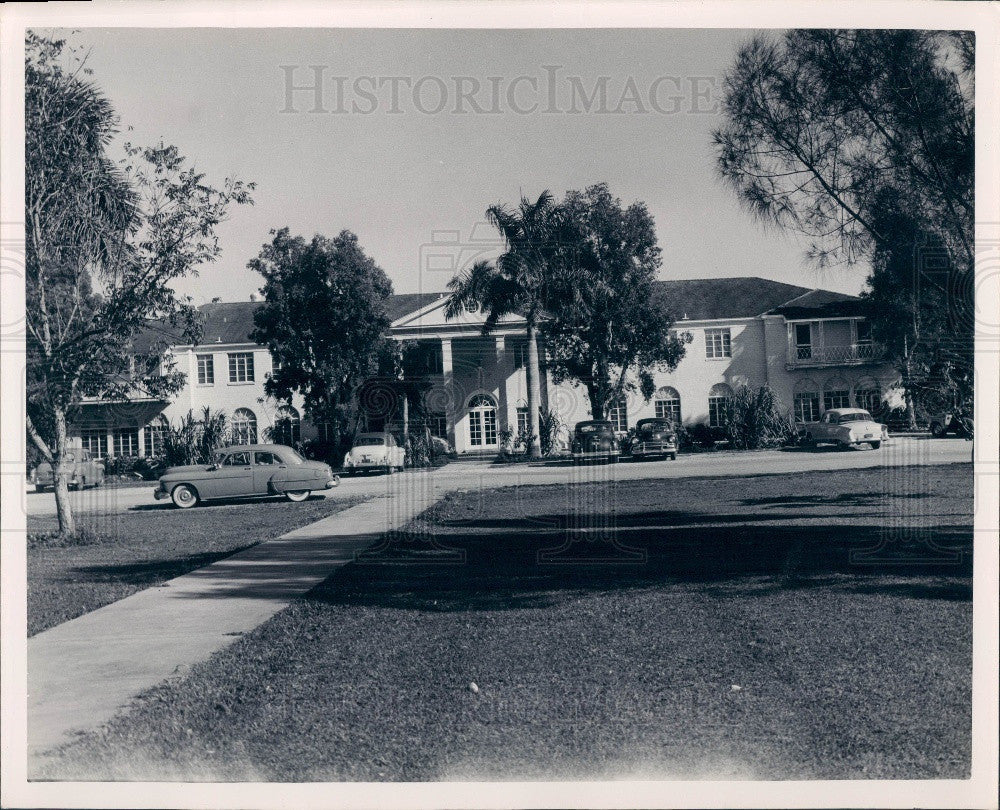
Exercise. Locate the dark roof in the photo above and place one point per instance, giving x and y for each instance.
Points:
(821, 304)
(232, 322)
(405, 303)
(709, 299)
(692, 299)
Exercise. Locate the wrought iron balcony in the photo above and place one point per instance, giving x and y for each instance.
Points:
(850, 355)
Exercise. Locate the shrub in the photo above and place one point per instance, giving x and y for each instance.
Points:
(120, 465)
(549, 425)
(754, 420)
(83, 536)
(195, 441)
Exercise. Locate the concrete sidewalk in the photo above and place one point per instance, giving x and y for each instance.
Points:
(81, 672)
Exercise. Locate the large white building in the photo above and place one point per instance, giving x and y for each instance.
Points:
(812, 347)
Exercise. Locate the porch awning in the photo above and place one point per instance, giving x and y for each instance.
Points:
(134, 413)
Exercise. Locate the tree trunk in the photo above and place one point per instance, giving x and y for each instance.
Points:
(911, 412)
(531, 372)
(596, 397)
(61, 469)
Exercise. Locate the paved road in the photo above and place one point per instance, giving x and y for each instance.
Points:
(900, 451)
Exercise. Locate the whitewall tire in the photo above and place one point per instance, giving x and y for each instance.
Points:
(184, 496)
(298, 496)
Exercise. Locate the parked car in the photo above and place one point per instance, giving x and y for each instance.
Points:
(87, 471)
(654, 437)
(595, 440)
(245, 471)
(374, 451)
(847, 427)
(953, 423)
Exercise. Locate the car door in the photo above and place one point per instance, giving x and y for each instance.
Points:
(823, 427)
(265, 466)
(233, 478)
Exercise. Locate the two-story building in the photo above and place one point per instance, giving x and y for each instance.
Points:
(812, 347)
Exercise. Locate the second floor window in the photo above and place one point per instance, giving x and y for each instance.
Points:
(718, 343)
(241, 367)
(206, 369)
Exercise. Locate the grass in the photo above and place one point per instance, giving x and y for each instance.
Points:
(689, 629)
(115, 555)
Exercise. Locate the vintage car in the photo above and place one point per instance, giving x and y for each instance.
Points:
(846, 427)
(246, 471)
(595, 440)
(654, 438)
(955, 423)
(374, 451)
(86, 471)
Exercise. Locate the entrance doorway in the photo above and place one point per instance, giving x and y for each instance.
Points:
(482, 422)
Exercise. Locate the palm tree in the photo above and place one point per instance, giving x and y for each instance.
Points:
(514, 285)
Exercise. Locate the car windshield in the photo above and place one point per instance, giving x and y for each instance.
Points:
(369, 441)
(649, 427)
(855, 416)
(592, 428)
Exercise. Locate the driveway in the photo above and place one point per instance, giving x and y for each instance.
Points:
(900, 451)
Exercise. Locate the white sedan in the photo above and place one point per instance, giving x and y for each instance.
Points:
(374, 451)
(847, 427)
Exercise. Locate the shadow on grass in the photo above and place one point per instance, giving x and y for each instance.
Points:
(534, 569)
(261, 499)
(151, 571)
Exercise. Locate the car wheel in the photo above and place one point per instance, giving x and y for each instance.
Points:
(389, 470)
(809, 440)
(673, 457)
(875, 445)
(938, 430)
(298, 496)
(184, 496)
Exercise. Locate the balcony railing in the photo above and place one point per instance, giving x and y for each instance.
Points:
(853, 354)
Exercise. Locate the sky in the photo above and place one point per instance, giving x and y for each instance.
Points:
(417, 132)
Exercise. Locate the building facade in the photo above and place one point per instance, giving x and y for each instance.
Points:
(812, 347)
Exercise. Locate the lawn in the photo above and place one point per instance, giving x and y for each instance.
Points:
(711, 628)
(140, 548)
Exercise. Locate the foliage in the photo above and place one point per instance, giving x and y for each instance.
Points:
(549, 425)
(606, 329)
(864, 141)
(324, 320)
(195, 441)
(105, 242)
(754, 420)
(516, 284)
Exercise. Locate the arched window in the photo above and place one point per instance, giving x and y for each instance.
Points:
(868, 395)
(482, 421)
(244, 426)
(719, 399)
(806, 401)
(287, 426)
(668, 404)
(836, 394)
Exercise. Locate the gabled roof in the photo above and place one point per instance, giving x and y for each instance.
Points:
(710, 299)
(820, 304)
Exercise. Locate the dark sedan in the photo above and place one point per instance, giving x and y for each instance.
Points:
(595, 440)
(654, 438)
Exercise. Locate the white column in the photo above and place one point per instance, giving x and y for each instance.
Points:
(448, 377)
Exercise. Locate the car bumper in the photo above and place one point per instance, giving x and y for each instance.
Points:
(333, 482)
(653, 449)
(159, 494)
(367, 465)
(595, 454)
